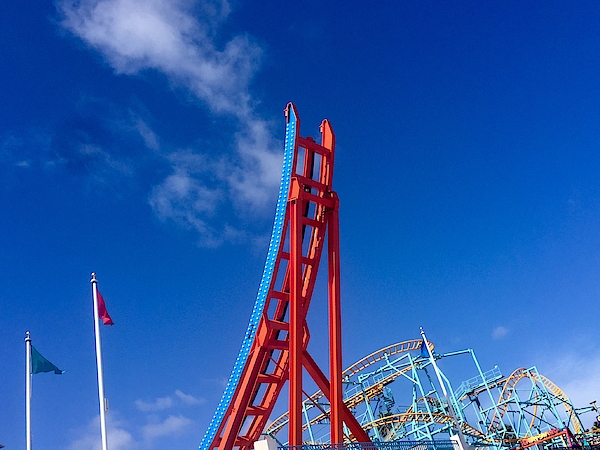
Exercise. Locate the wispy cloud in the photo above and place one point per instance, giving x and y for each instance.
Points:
(185, 196)
(162, 403)
(26, 151)
(577, 375)
(104, 140)
(157, 405)
(189, 399)
(172, 425)
(126, 435)
(499, 332)
(149, 137)
(95, 142)
(177, 38)
(119, 437)
(255, 177)
(134, 35)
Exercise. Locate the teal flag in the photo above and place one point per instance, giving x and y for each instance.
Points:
(41, 364)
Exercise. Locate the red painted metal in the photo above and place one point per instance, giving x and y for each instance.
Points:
(335, 327)
(297, 318)
(279, 352)
(565, 434)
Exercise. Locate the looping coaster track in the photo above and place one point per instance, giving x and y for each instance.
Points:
(508, 392)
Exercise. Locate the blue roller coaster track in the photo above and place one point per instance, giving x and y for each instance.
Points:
(267, 276)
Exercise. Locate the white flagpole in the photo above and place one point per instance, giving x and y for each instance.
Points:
(463, 443)
(461, 438)
(437, 371)
(439, 377)
(99, 364)
(28, 389)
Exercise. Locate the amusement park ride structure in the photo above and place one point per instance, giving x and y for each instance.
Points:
(358, 404)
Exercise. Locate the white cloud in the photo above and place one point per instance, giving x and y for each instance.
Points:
(95, 152)
(149, 137)
(163, 403)
(172, 425)
(257, 175)
(199, 185)
(96, 142)
(184, 198)
(499, 332)
(153, 34)
(578, 376)
(28, 151)
(117, 436)
(176, 38)
(157, 405)
(122, 435)
(189, 399)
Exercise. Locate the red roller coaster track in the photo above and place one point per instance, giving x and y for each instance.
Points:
(278, 352)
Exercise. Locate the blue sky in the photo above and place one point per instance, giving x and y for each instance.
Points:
(142, 140)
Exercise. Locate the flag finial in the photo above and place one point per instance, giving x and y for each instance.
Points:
(28, 336)
(93, 280)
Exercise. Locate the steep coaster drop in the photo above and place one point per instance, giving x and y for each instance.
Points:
(274, 349)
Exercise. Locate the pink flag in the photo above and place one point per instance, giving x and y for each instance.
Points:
(102, 312)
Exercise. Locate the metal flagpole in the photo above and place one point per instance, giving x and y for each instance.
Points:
(28, 389)
(461, 439)
(435, 368)
(103, 404)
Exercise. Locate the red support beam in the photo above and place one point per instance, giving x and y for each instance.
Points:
(296, 317)
(335, 325)
(316, 374)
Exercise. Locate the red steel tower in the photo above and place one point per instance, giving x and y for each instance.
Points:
(275, 347)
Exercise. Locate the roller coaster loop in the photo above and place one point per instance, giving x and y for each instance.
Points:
(508, 391)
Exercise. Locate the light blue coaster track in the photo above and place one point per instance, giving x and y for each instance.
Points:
(261, 298)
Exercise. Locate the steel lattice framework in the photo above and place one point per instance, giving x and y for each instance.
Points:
(492, 411)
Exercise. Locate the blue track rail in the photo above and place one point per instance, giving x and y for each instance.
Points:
(265, 283)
